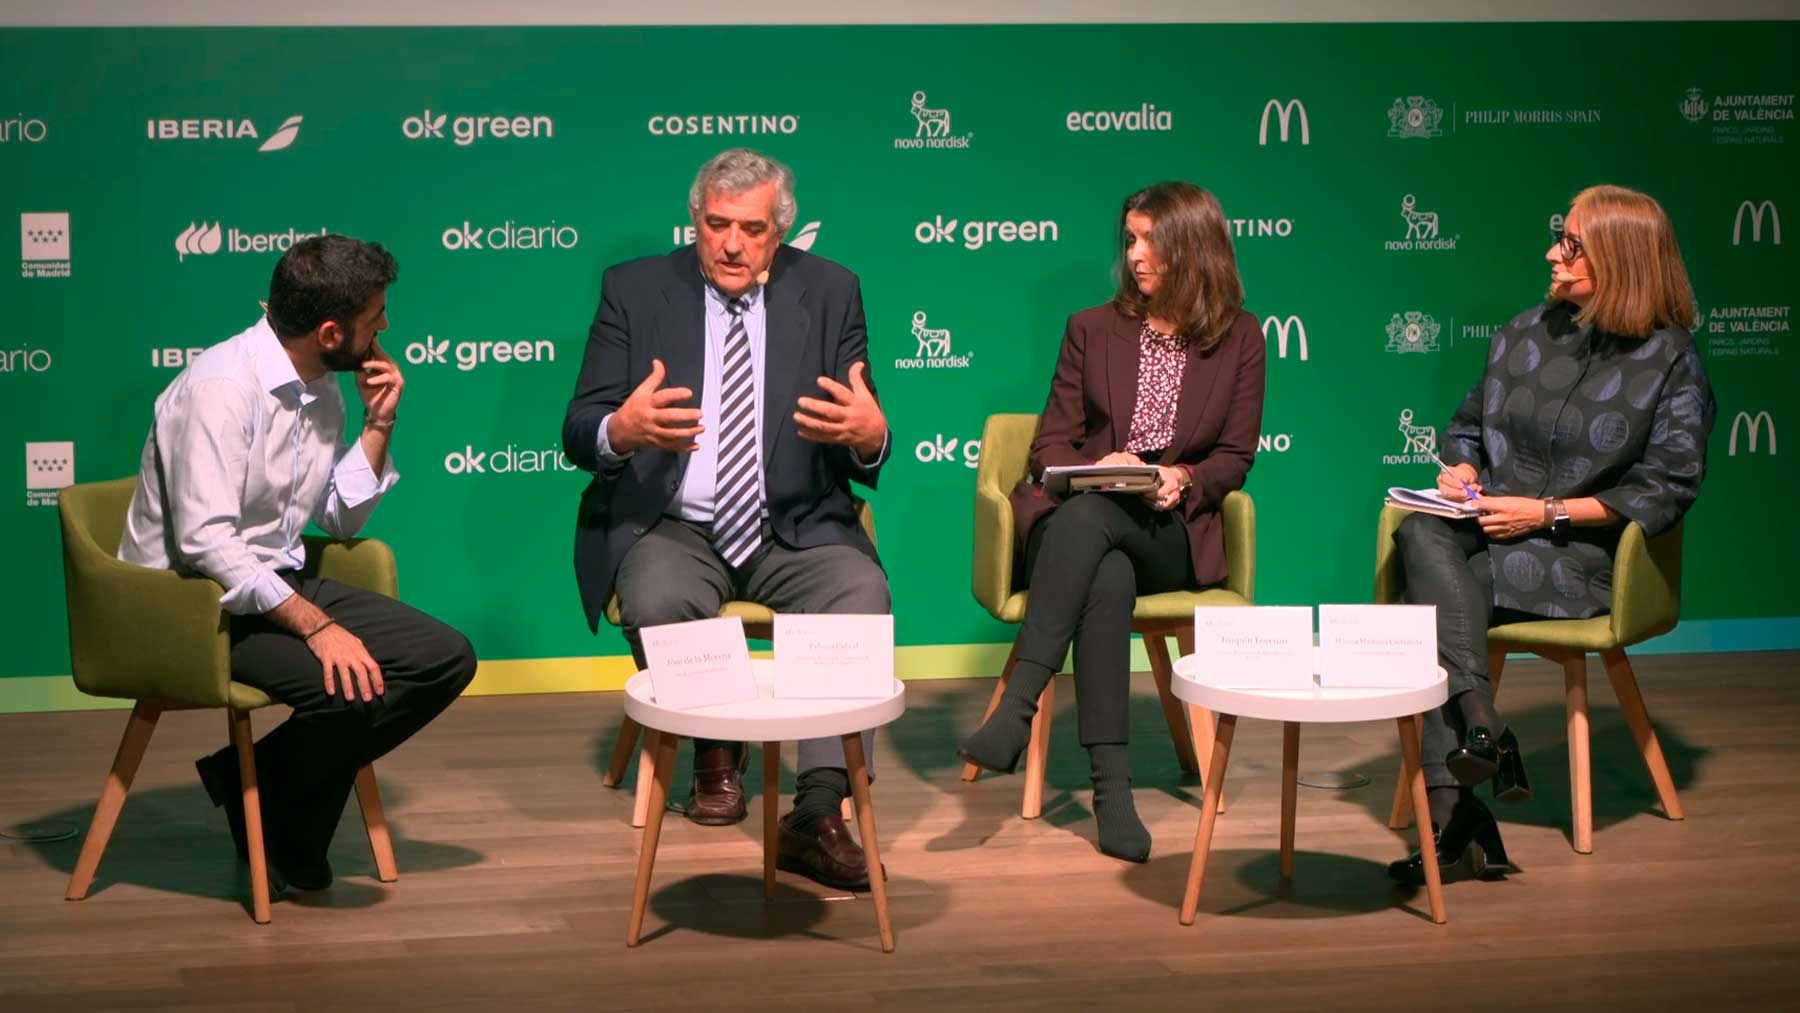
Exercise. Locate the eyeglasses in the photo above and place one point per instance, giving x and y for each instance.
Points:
(1570, 243)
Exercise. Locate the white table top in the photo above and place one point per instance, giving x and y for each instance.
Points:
(764, 719)
(1318, 704)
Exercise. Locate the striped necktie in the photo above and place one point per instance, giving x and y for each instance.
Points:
(737, 489)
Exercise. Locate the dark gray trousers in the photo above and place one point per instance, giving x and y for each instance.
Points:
(673, 574)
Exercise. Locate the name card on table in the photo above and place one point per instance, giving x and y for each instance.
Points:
(834, 657)
(1377, 646)
(699, 663)
(1260, 647)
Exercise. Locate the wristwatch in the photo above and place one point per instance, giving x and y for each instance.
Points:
(1556, 512)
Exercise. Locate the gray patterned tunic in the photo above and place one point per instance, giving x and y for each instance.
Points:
(1564, 410)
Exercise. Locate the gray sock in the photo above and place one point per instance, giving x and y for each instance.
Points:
(1122, 834)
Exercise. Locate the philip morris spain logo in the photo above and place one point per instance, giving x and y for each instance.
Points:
(44, 244)
(975, 233)
(1280, 328)
(934, 348)
(931, 128)
(224, 129)
(1755, 212)
(49, 468)
(1744, 118)
(1412, 331)
(1751, 425)
(1415, 117)
(1424, 232)
(1418, 443)
(1293, 108)
(466, 130)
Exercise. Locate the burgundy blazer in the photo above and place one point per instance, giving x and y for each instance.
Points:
(1088, 415)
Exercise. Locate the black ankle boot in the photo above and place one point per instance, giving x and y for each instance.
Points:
(1510, 783)
(1002, 738)
(1476, 759)
(1469, 842)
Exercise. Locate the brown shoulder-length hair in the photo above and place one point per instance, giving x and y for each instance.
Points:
(1201, 293)
(1640, 282)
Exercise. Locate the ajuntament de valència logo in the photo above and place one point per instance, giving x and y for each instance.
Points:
(1741, 118)
(224, 129)
(465, 130)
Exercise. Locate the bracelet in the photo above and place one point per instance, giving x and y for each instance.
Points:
(327, 624)
(381, 427)
(1549, 515)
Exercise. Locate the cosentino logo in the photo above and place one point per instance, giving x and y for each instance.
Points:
(466, 130)
(469, 354)
(23, 129)
(726, 123)
(1144, 117)
(511, 459)
(974, 234)
(1259, 228)
(510, 235)
(208, 129)
(931, 128)
(202, 239)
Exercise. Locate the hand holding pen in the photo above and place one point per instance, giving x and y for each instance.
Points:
(1460, 479)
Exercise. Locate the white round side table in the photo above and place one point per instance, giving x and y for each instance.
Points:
(771, 722)
(1293, 707)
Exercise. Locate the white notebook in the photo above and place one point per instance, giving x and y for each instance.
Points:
(1430, 501)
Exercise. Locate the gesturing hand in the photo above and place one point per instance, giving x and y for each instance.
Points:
(649, 417)
(852, 418)
(1507, 517)
(379, 384)
(344, 657)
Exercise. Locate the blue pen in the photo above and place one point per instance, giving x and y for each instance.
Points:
(1467, 490)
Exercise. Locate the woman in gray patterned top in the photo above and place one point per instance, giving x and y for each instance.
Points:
(1593, 411)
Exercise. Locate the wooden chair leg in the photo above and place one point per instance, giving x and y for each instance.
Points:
(1402, 812)
(138, 729)
(971, 771)
(1209, 815)
(253, 824)
(1037, 752)
(1290, 778)
(1200, 720)
(623, 746)
(368, 797)
(664, 747)
(871, 844)
(1158, 651)
(1496, 665)
(646, 776)
(1581, 786)
(1412, 733)
(1631, 701)
(771, 755)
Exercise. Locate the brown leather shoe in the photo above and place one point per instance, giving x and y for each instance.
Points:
(717, 799)
(828, 855)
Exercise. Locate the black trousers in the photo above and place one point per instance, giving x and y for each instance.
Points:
(1446, 564)
(306, 766)
(1088, 561)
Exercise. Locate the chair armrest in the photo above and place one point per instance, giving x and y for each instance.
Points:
(137, 632)
(1646, 585)
(993, 547)
(1390, 579)
(365, 563)
(1238, 513)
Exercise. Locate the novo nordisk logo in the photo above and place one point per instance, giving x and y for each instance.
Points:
(466, 130)
(223, 129)
(1420, 442)
(1412, 331)
(1282, 113)
(934, 348)
(1415, 116)
(1756, 222)
(976, 234)
(1754, 424)
(932, 128)
(1281, 326)
(1422, 229)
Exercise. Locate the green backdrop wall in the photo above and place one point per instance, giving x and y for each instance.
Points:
(1391, 187)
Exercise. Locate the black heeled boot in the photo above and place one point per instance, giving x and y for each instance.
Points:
(1510, 783)
(1002, 738)
(1469, 840)
(1476, 760)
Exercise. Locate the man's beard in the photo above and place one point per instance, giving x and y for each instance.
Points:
(343, 358)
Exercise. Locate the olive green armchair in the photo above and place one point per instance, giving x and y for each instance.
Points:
(759, 624)
(1646, 603)
(1005, 456)
(161, 639)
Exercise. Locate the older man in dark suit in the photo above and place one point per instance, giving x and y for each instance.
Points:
(724, 407)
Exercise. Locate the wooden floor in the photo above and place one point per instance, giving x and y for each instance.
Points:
(516, 876)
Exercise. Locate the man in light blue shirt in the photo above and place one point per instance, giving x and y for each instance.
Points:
(246, 447)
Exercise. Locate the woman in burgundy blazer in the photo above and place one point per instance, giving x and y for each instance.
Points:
(1170, 373)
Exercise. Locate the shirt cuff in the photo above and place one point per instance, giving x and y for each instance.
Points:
(604, 445)
(880, 455)
(261, 593)
(356, 482)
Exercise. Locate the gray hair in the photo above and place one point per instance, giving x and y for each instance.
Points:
(740, 169)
